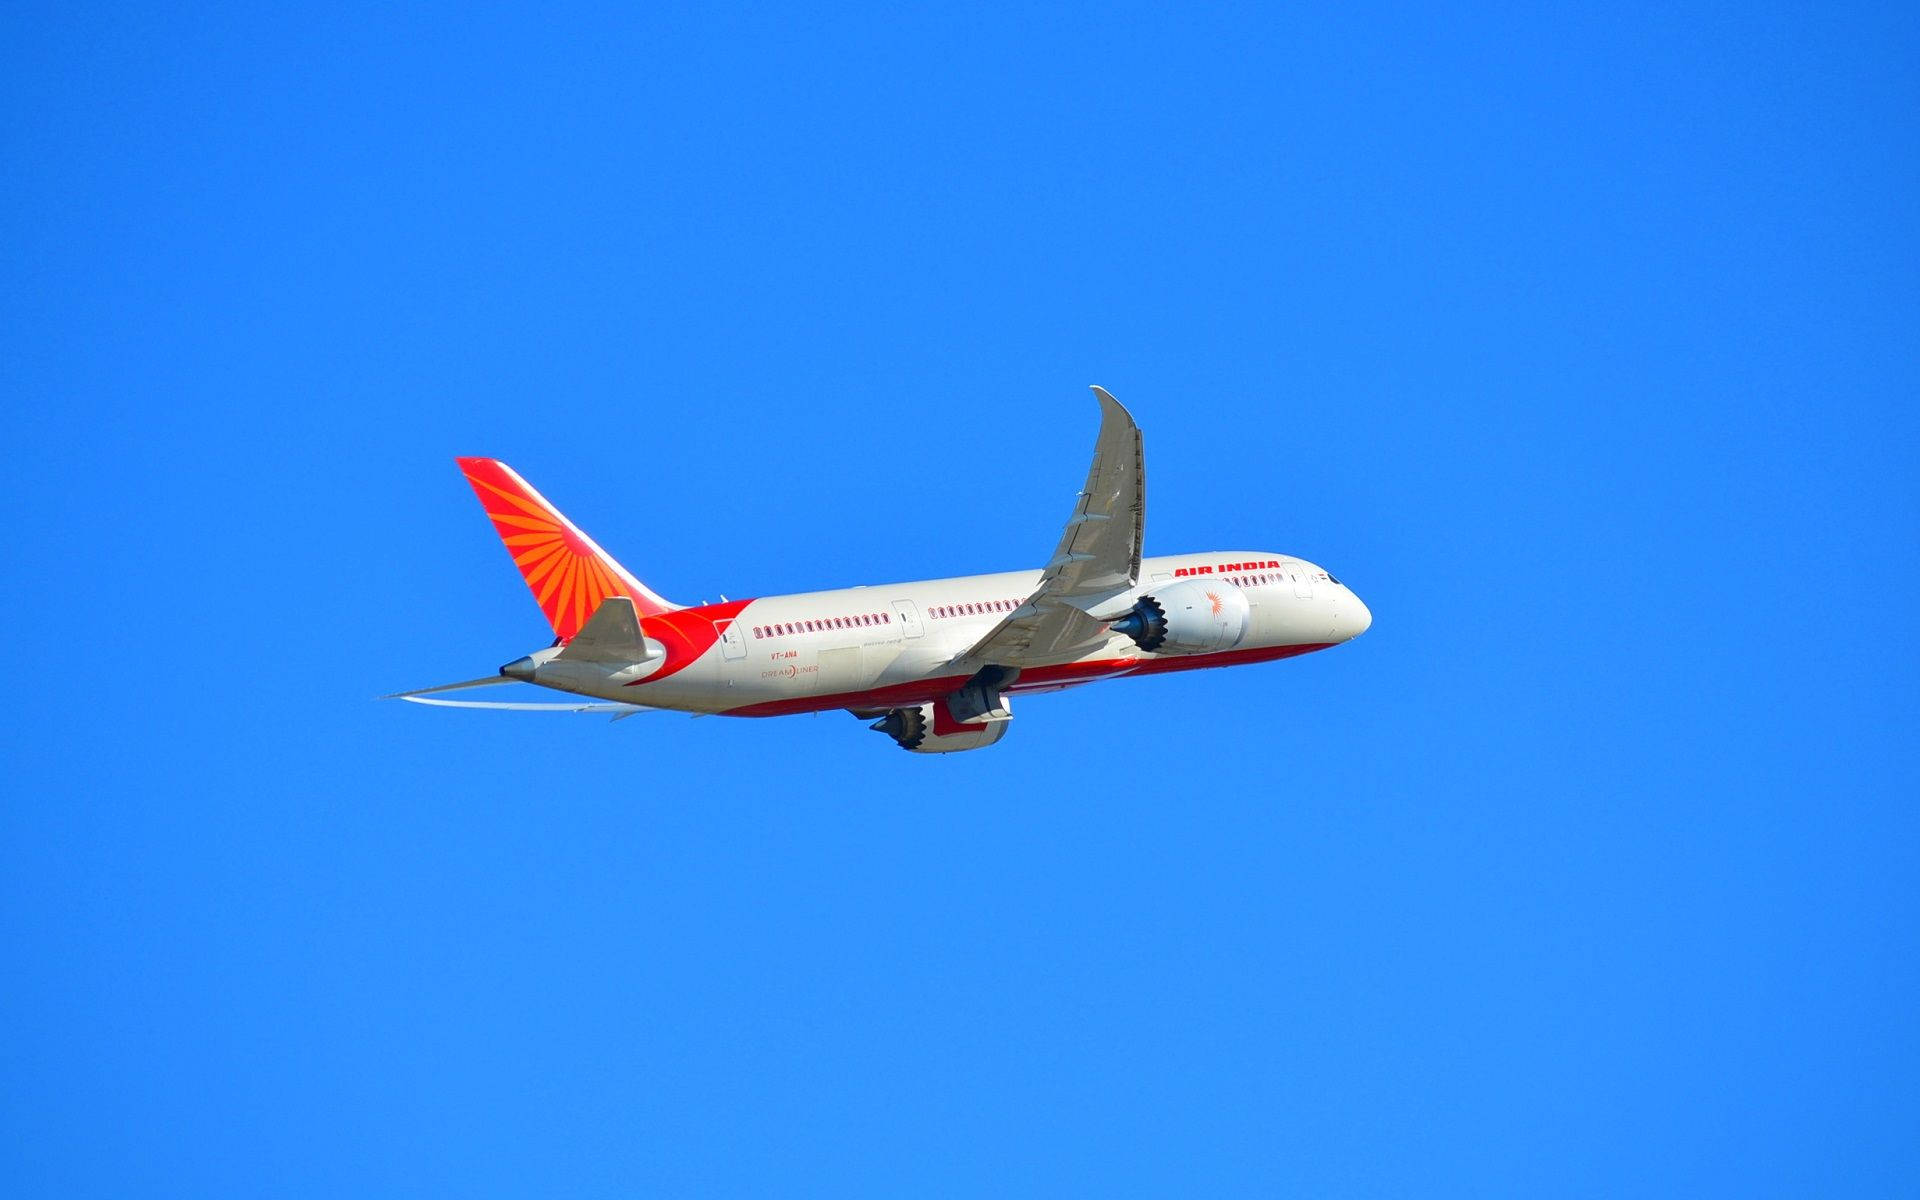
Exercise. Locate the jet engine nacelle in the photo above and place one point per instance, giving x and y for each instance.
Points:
(916, 729)
(1193, 616)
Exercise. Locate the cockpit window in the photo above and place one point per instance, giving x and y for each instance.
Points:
(1333, 581)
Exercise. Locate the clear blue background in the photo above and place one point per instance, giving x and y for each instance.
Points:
(1581, 341)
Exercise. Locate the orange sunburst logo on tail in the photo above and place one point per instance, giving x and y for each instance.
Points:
(568, 575)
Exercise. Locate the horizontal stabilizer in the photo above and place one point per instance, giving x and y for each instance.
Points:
(489, 681)
(612, 634)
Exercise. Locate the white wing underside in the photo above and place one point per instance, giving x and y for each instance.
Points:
(533, 706)
(1097, 561)
(430, 696)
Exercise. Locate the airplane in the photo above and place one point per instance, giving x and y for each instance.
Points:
(934, 664)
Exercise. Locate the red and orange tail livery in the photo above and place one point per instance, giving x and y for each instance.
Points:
(567, 572)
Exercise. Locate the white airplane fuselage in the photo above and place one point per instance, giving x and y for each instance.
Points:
(873, 648)
(936, 661)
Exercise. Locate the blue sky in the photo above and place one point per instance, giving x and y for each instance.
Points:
(1580, 341)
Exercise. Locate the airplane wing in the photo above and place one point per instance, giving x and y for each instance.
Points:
(625, 710)
(1097, 561)
(430, 695)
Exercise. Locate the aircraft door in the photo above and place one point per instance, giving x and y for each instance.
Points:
(733, 643)
(909, 618)
(1302, 581)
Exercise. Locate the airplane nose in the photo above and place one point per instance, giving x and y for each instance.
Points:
(1355, 617)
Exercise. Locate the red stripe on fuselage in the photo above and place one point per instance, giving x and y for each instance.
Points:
(687, 633)
(905, 695)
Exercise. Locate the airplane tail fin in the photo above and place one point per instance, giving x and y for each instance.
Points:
(568, 574)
